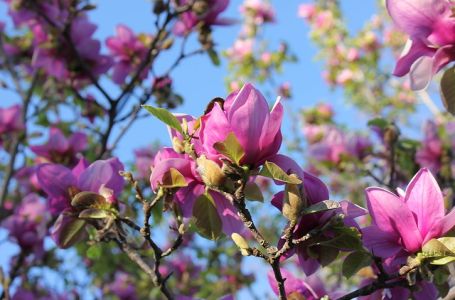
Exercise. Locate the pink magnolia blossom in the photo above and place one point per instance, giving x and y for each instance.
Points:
(431, 28)
(425, 291)
(28, 225)
(241, 49)
(144, 161)
(315, 191)
(60, 149)
(246, 114)
(11, 119)
(57, 60)
(189, 20)
(128, 51)
(166, 159)
(123, 287)
(311, 288)
(260, 11)
(430, 152)
(61, 184)
(402, 224)
(306, 11)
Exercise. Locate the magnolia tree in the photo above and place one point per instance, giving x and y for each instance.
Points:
(221, 210)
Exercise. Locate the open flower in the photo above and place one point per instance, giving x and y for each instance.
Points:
(167, 159)
(60, 149)
(431, 28)
(62, 184)
(28, 225)
(246, 114)
(190, 19)
(315, 191)
(128, 51)
(402, 224)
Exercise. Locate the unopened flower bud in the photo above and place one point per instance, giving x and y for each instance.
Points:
(177, 145)
(391, 134)
(210, 171)
(241, 243)
(200, 7)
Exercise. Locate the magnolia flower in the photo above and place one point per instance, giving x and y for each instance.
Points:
(28, 225)
(10, 119)
(402, 224)
(123, 287)
(312, 288)
(190, 19)
(57, 61)
(431, 28)
(260, 11)
(167, 159)
(61, 184)
(425, 290)
(315, 191)
(430, 152)
(246, 114)
(144, 161)
(60, 149)
(128, 51)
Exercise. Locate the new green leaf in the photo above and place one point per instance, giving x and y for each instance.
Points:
(273, 171)
(164, 116)
(230, 148)
(206, 218)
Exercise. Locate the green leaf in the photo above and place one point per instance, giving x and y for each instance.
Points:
(327, 255)
(173, 179)
(230, 148)
(207, 220)
(214, 56)
(379, 122)
(273, 171)
(442, 261)
(253, 192)
(94, 252)
(354, 262)
(94, 213)
(321, 207)
(71, 233)
(435, 248)
(346, 238)
(448, 90)
(164, 116)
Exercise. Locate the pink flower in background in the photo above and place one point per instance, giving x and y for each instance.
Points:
(306, 10)
(144, 161)
(246, 114)
(430, 152)
(60, 149)
(241, 49)
(61, 184)
(260, 11)
(311, 288)
(123, 287)
(425, 290)
(166, 159)
(315, 191)
(402, 224)
(11, 119)
(128, 51)
(28, 225)
(57, 181)
(57, 60)
(431, 28)
(189, 20)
